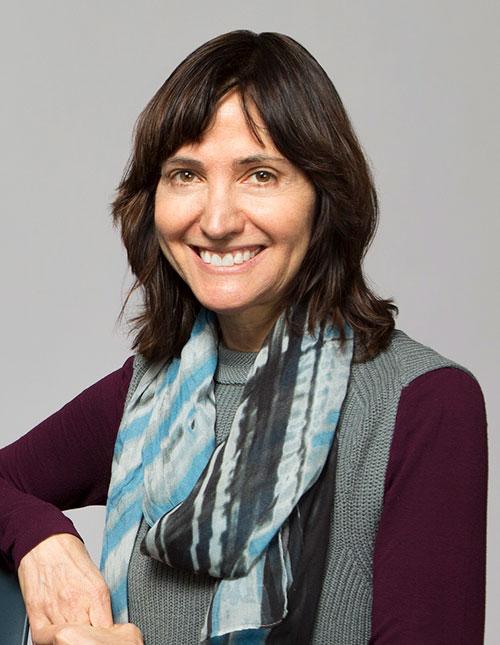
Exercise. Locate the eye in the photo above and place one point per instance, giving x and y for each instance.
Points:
(182, 176)
(263, 176)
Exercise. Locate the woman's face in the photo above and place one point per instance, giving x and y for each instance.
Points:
(234, 217)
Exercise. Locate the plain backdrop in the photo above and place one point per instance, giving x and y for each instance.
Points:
(420, 82)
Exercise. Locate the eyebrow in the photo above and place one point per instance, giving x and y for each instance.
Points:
(244, 161)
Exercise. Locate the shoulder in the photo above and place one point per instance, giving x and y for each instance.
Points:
(410, 380)
(414, 358)
(444, 409)
(428, 377)
(440, 421)
(453, 390)
(404, 360)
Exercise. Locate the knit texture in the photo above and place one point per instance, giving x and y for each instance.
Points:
(169, 605)
(158, 594)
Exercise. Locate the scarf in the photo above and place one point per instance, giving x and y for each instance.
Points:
(248, 511)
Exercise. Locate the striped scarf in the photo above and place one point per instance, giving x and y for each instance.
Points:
(231, 511)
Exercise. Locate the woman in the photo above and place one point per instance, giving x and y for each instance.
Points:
(278, 462)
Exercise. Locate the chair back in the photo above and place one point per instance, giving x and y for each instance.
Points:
(14, 627)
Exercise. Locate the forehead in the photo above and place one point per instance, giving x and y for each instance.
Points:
(228, 132)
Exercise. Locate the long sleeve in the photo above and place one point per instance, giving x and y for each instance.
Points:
(429, 557)
(64, 462)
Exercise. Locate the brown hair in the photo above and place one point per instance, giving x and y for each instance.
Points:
(309, 125)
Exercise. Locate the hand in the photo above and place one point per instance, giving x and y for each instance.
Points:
(62, 586)
(127, 634)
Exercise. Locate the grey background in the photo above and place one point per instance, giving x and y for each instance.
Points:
(418, 81)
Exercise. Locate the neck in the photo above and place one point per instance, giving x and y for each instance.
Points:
(246, 333)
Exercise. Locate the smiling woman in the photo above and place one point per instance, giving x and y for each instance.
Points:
(279, 464)
(243, 151)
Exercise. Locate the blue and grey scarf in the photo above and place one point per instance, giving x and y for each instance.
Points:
(231, 511)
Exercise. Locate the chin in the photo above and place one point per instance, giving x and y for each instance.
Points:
(227, 305)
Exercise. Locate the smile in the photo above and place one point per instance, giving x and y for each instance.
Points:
(229, 258)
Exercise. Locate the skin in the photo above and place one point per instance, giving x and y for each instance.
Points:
(67, 600)
(207, 199)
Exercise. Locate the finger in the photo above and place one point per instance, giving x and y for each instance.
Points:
(130, 632)
(72, 606)
(73, 634)
(100, 613)
(49, 614)
(43, 634)
(76, 616)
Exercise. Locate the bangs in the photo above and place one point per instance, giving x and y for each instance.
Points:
(187, 121)
(281, 88)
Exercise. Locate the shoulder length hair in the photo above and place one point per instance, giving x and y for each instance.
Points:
(308, 124)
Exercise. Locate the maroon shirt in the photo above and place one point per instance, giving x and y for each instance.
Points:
(429, 557)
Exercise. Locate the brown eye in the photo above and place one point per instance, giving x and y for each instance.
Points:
(263, 176)
(183, 176)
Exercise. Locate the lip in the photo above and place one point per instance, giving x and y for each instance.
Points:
(236, 268)
(231, 249)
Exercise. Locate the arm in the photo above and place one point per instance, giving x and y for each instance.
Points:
(429, 557)
(64, 462)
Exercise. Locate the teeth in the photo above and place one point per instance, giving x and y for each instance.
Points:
(228, 259)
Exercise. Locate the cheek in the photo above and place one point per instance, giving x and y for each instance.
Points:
(170, 255)
(175, 217)
(296, 234)
(164, 210)
(306, 224)
(297, 220)
(164, 233)
(167, 226)
(163, 246)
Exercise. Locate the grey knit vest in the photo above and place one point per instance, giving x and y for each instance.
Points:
(169, 606)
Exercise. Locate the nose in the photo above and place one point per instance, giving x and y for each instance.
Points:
(221, 218)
